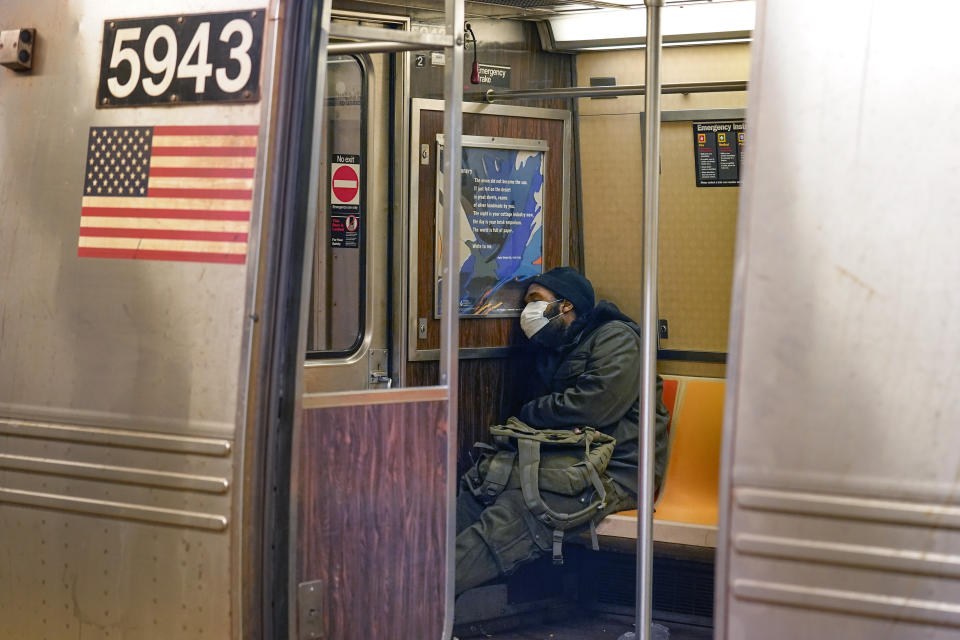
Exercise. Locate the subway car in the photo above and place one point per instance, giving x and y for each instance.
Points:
(238, 388)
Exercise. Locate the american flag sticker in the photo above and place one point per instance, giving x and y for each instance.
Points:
(168, 193)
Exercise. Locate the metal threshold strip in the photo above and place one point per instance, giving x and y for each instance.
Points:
(499, 95)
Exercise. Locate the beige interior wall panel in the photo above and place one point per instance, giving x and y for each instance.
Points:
(612, 166)
(708, 63)
(696, 369)
(697, 225)
(697, 235)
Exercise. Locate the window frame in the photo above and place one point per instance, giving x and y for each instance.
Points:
(335, 354)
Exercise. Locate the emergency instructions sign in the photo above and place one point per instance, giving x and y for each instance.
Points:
(717, 152)
(345, 201)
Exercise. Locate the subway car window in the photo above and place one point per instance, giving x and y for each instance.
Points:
(337, 300)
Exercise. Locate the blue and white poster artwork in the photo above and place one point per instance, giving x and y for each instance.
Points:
(501, 224)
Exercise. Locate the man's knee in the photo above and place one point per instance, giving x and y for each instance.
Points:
(512, 534)
(495, 544)
(468, 510)
(505, 535)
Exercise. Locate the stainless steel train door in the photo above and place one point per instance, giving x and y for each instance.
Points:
(132, 185)
(840, 515)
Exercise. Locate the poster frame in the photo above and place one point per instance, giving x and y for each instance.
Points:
(488, 142)
(413, 223)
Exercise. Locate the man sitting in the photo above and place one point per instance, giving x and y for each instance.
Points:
(587, 373)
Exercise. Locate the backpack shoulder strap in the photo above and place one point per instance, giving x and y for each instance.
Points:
(496, 478)
(529, 463)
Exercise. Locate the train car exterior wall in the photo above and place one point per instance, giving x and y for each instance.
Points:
(123, 381)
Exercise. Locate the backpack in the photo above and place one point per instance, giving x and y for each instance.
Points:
(557, 460)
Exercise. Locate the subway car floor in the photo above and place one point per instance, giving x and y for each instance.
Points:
(589, 597)
(590, 627)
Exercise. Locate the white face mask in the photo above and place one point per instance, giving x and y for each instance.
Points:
(532, 319)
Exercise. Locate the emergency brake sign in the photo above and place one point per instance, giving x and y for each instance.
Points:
(345, 219)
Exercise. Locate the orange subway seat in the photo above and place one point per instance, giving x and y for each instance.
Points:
(671, 389)
(696, 427)
(691, 485)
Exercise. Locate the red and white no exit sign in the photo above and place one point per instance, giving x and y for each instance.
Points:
(345, 179)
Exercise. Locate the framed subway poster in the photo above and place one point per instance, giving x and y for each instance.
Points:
(501, 208)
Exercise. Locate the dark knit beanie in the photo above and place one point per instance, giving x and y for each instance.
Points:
(567, 283)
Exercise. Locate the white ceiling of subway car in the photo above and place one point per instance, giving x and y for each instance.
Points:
(578, 25)
(564, 6)
(683, 23)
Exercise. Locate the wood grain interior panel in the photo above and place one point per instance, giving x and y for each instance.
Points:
(372, 515)
(487, 395)
(491, 390)
(509, 43)
(482, 332)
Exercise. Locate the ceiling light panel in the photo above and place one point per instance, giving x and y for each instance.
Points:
(710, 22)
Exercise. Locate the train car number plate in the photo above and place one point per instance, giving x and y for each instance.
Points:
(181, 59)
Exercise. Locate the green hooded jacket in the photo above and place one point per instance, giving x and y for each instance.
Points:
(594, 380)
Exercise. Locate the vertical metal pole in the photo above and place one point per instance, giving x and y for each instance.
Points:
(648, 399)
(450, 276)
(452, 129)
(401, 299)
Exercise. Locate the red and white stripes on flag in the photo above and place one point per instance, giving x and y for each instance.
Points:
(180, 193)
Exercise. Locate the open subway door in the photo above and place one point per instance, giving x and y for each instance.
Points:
(372, 471)
(839, 493)
(160, 474)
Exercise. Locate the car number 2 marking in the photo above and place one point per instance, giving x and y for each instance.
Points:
(170, 59)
